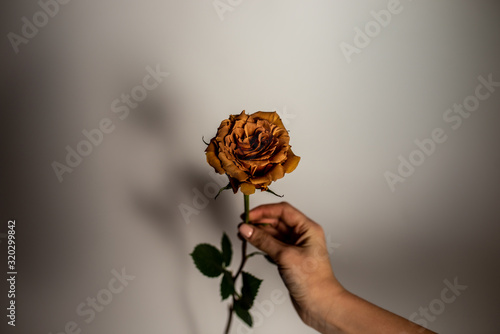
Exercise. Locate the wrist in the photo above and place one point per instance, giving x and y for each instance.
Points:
(327, 299)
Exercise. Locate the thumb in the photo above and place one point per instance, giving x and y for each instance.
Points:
(262, 240)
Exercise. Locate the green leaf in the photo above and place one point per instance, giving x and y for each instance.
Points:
(222, 189)
(226, 285)
(243, 313)
(208, 260)
(249, 290)
(227, 250)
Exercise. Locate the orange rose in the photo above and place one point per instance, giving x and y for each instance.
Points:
(252, 150)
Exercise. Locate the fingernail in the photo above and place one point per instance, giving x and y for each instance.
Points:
(246, 230)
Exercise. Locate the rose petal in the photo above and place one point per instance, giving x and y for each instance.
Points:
(241, 117)
(272, 117)
(211, 154)
(249, 164)
(277, 172)
(250, 129)
(223, 130)
(265, 179)
(291, 162)
(281, 156)
(231, 168)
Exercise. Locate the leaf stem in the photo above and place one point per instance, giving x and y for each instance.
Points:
(255, 253)
(244, 258)
(230, 318)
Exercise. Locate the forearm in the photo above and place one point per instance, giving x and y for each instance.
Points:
(350, 314)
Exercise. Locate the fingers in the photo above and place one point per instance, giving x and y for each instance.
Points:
(265, 221)
(280, 211)
(282, 232)
(262, 240)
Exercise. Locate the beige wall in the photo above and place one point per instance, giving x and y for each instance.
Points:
(349, 121)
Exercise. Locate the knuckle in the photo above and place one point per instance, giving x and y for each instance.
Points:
(285, 203)
(317, 228)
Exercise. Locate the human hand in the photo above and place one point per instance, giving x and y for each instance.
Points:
(297, 245)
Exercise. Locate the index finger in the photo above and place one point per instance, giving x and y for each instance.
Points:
(282, 211)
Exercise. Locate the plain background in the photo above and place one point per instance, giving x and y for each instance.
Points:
(348, 121)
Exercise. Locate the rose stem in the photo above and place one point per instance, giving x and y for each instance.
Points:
(244, 242)
(243, 261)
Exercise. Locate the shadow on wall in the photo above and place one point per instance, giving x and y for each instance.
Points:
(159, 206)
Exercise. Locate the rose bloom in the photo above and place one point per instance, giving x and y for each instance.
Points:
(253, 150)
